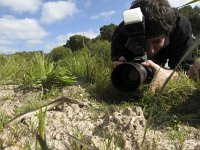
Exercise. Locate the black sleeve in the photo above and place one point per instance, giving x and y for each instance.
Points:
(119, 40)
(181, 41)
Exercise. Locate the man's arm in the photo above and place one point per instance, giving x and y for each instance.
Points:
(160, 75)
(182, 40)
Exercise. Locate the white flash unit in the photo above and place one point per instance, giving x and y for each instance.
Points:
(132, 16)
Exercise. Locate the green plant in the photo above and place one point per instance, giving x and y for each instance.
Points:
(76, 145)
(12, 70)
(59, 53)
(176, 93)
(91, 64)
(40, 133)
(3, 121)
(78, 142)
(113, 140)
(5, 98)
(27, 107)
(47, 74)
(179, 136)
(81, 64)
(15, 134)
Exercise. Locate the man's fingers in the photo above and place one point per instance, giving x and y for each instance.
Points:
(155, 85)
(116, 63)
(152, 65)
(152, 88)
(122, 58)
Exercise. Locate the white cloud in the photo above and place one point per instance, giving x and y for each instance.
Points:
(4, 42)
(177, 3)
(55, 11)
(63, 38)
(7, 50)
(21, 6)
(51, 45)
(26, 30)
(107, 14)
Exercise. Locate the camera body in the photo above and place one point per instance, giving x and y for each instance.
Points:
(134, 24)
(129, 76)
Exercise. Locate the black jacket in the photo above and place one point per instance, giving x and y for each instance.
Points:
(177, 42)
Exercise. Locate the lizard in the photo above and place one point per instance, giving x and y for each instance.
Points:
(48, 106)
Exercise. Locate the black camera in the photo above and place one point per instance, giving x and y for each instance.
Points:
(129, 76)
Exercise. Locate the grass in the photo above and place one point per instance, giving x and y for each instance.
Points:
(178, 135)
(93, 68)
(113, 140)
(47, 74)
(41, 134)
(3, 121)
(25, 108)
(15, 134)
(11, 70)
(5, 98)
(75, 144)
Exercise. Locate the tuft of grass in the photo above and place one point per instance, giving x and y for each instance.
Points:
(27, 107)
(44, 73)
(12, 70)
(41, 134)
(178, 135)
(3, 121)
(76, 145)
(79, 142)
(81, 64)
(113, 140)
(175, 94)
(90, 67)
(15, 134)
(5, 98)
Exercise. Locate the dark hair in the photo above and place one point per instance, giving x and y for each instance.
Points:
(159, 16)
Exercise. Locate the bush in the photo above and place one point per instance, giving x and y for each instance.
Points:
(59, 53)
(47, 74)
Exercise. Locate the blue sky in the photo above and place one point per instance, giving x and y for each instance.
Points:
(28, 25)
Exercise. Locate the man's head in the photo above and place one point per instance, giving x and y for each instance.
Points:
(159, 16)
(155, 44)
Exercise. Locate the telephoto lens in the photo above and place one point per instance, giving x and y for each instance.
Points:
(129, 76)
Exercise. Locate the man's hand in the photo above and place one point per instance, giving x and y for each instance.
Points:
(160, 75)
(121, 60)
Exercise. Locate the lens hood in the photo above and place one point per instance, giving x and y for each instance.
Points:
(129, 76)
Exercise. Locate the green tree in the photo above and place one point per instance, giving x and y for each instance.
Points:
(77, 42)
(106, 32)
(100, 49)
(59, 53)
(193, 15)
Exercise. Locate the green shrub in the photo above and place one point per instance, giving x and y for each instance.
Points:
(12, 70)
(59, 53)
(43, 72)
(91, 65)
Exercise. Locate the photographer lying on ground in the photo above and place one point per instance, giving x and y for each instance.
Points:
(167, 34)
